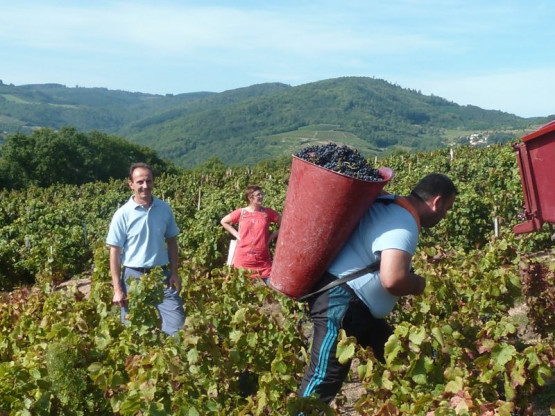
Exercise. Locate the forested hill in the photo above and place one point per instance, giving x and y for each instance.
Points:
(246, 125)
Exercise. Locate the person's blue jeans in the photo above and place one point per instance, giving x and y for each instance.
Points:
(172, 313)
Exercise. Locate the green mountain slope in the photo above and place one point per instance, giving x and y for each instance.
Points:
(246, 125)
(23, 108)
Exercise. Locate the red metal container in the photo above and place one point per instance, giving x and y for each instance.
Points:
(321, 210)
(536, 162)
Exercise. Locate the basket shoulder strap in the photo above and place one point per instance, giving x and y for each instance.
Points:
(351, 276)
(240, 218)
(402, 202)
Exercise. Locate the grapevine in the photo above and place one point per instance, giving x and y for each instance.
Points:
(456, 349)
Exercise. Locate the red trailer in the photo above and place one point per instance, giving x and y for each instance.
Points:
(536, 162)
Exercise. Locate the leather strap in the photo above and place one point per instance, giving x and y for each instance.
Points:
(351, 276)
(403, 202)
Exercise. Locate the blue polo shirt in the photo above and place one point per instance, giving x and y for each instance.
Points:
(142, 233)
(383, 226)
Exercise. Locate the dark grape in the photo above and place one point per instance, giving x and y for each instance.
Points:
(341, 159)
(486, 318)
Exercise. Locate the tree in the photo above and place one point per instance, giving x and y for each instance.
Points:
(68, 156)
(211, 165)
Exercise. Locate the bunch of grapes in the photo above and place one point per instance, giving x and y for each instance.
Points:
(341, 159)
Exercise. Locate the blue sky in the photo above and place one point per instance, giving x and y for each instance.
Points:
(495, 54)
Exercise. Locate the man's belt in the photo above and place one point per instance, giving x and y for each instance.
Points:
(145, 270)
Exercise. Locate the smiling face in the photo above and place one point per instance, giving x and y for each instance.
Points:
(142, 182)
(256, 198)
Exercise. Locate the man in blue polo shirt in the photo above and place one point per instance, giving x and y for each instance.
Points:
(143, 235)
(387, 233)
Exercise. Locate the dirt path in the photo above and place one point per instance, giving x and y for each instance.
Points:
(83, 285)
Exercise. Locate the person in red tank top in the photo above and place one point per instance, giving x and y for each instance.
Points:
(253, 234)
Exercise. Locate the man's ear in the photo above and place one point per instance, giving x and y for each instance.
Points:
(436, 202)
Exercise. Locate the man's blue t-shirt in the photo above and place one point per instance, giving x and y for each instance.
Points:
(142, 233)
(383, 226)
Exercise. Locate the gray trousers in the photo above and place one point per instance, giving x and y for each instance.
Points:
(172, 313)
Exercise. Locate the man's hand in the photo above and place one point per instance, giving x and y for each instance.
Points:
(119, 298)
(175, 281)
(419, 284)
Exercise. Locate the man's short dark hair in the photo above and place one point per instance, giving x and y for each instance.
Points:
(139, 165)
(433, 185)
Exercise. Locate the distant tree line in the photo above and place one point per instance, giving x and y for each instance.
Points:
(46, 157)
